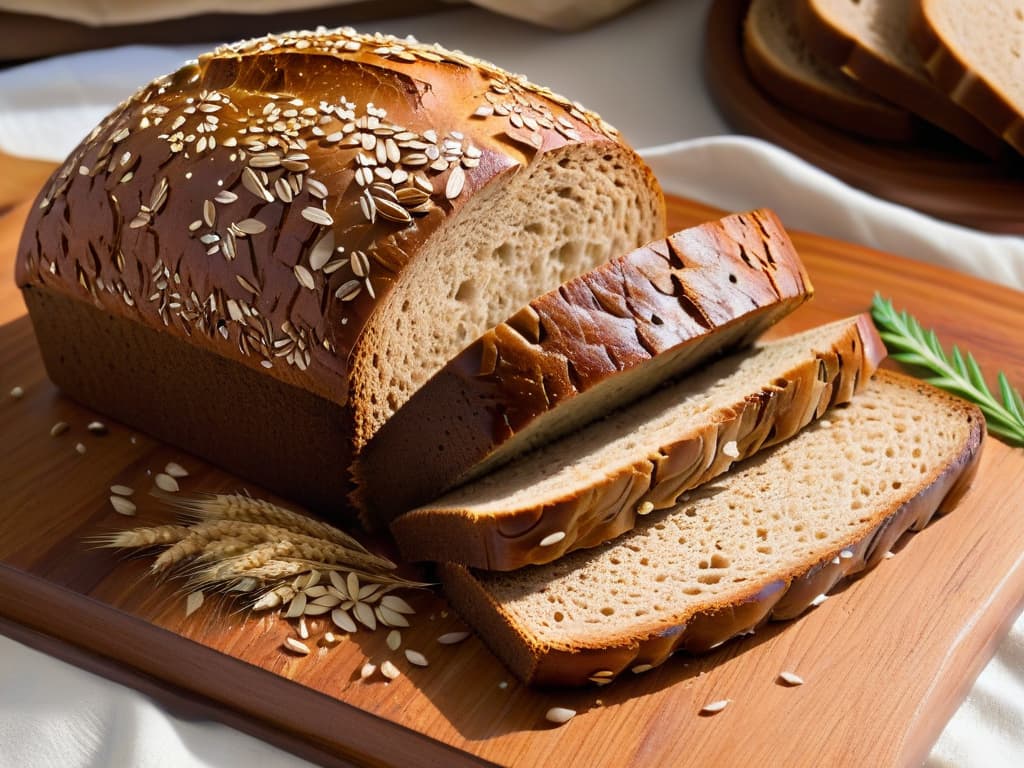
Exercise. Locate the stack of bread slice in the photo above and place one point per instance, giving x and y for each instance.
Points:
(867, 67)
(669, 500)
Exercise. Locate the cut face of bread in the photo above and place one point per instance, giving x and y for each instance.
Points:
(870, 41)
(790, 72)
(591, 486)
(569, 212)
(576, 353)
(975, 52)
(761, 543)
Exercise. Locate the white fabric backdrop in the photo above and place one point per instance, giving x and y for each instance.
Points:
(642, 72)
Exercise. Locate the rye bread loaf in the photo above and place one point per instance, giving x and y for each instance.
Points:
(975, 53)
(570, 356)
(762, 543)
(260, 256)
(591, 486)
(782, 64)
(870, 41)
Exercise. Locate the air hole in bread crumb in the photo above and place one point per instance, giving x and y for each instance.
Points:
(720, 561)
(709, 578)
(559, 616)
(607, 611)
(692, 591)
(764, 549)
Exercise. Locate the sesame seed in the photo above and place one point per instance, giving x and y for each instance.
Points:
(175, 470)
(122, 490)
(790, 678)
(59, 429)
(17, 393)
(122, 505)
(715, 707)
(552, 538)
(452, 638)
(645, 509)
(193, 602)
(559, 715)
(80, 448)
(166, 483)
(416, 658)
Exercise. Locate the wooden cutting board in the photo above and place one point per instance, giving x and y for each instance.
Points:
(886, 661)
(934, 174)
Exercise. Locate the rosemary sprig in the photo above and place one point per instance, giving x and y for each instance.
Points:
(958, 373)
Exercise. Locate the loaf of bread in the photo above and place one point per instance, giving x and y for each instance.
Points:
(783, 65)
(595, 484)
(261, 256)
(597, 342)
(973, 52)
(870, 41)
(763, 543)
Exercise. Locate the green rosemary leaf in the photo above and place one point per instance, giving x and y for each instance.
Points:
(910, 343)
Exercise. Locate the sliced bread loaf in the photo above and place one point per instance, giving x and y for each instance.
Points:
(572, 355)
(792, 74)
(760, 544)
(975, 53)
(870, 41)
(590, 486)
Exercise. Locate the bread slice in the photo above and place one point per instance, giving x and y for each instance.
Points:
(975, 53)
(591, 486)
(783, 65)
(870, 41)
(574, 354)
(760, 544)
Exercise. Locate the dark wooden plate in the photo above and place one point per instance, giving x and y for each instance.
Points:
(935, 175)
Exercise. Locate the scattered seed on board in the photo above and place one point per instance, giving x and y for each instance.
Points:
(451, 638)
(715, 707)
(552, 538)
(389, 670)
(122, 505)
(791, 678)
(639, 669)
(97, 427)
(819, 600)
(80, 447)
(59, 429)
(888, 555)
(394, 639)
(503, 684)
(193, 602)
(17, 393)
(121, 490)
(296, 646)
(367, 670)
(646, 508)
(415, 657)
(303, 628)
(560, 715)
(174, 469)
(330, 638)
(166, 483)
(731, 450)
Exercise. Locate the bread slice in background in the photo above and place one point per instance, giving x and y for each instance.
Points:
(761, 543)
(597, 483)
(572, 355)
(869, 40)
(975, 53)
(782, 64)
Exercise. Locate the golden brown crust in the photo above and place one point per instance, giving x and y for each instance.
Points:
(958, 77)
(784, 596)
(836, 46)
(672, 304)
(207, 205)
(610, 504)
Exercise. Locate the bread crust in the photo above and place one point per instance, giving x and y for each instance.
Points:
(866, 115)
(954, 74)
(783, 597)
(260, 204)
(610, 505)
(668, 305)
(837, 46)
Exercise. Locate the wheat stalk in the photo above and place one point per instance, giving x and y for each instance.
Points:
(243, 508)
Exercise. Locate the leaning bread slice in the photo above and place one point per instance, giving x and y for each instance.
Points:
(589, 487)
(762, 543)
(783, 65)
(974, 53)
(572, 355)
(870, 41)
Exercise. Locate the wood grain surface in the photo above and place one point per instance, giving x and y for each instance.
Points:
(935, 174)
(886, 661)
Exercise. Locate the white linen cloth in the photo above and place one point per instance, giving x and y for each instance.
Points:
(642, 71)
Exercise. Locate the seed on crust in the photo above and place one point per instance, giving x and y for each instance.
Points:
(560, 715)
